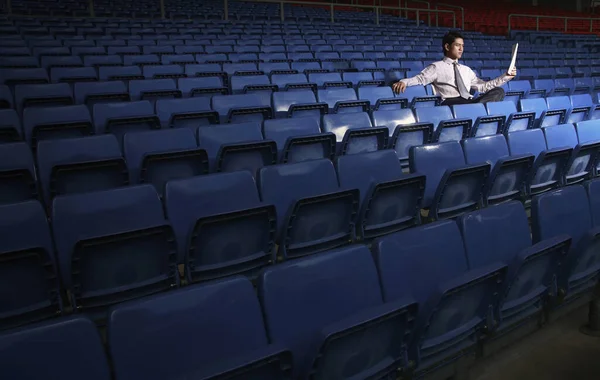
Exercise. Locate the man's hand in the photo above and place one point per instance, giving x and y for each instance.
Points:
(512, 73)
(399, 87)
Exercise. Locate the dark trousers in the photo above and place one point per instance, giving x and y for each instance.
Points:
(493, 95)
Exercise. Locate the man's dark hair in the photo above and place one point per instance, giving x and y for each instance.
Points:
(449, 39)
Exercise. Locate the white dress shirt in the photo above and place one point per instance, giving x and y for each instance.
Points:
(441, 76)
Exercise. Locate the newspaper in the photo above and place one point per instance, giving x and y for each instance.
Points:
(513, 61)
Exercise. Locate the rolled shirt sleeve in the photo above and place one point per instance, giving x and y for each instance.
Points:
(425, 77)
(484, 86)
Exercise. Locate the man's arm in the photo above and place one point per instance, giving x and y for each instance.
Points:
(484, 86)
(428, 75)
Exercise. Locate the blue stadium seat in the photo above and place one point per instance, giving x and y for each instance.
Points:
(19, 62)
(73, 74)
(18, 180)
(43, 95)
(56, 123)
(238, 146)
(299, 139)
(566, 211)
(390, 200)
(287, 82)
(298, 103)
(99, 60)
(10, 126)
(156, 157)
(90, 93)
(564, 86)
(221, 225)
(545, 85)
(247, 84)
(6, 98)
(163, 71)
(509, 174)
(75, 338)
(354, 133)
(185, 113)
(79, 165)
(328, 330)
(30, 290)
(452, 186)
(483, 125)
(404, 131)
(573, 114)
(13, 77)
(202, 86)
(584, 156)
(153, 89)
(342, 100)
(270, 68)
(532, 269)
(381, 98)
(428, 263)
(584, 101)
(113, 246)
(417, 97)
(447, 128)
(243, 350)
(325, 80)
(120, 118)
(313, 213)
(122, 73)
(583, 85)
(549, 165)
(243, 108)
(515, 121)
(361, 79)
(544, 117)
(588, 132)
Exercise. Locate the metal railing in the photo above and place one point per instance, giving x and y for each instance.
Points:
(332, 7)
(462, 13)
(538, 17)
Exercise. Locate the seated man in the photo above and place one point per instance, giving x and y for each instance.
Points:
(452, 80)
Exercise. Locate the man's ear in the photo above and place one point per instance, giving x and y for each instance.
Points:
(446, 47)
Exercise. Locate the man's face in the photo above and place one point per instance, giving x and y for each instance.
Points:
(455, 50)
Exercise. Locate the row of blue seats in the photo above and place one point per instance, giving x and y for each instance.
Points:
(495, 168)
(427, 295)
(338, 108)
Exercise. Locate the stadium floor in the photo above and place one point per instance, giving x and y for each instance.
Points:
(557, 352)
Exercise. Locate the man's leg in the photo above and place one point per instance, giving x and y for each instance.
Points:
(455, 101)
(493, 95)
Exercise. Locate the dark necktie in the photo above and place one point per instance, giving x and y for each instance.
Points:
(460, 85)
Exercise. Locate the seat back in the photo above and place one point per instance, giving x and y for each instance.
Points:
(299, 139)
(567, 211)
(238, 146)
(159, 156)
(185, 113)
(30, 290)
(390, 201)
(113, 245)
(237, 326)
(310, 206)
(433, 160)
(429, 264)
(18, 180)
(120, 118)
(220, 224)
(79, 165)
(75, 338)
(56, 123)
(336, 304)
